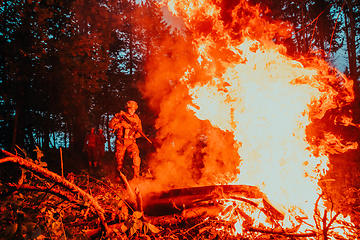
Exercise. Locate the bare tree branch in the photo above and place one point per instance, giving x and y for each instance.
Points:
(23, 187)
(36, 169)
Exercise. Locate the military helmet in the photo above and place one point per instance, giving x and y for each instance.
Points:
(131, 104)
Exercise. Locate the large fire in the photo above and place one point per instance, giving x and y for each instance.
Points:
(259, 101)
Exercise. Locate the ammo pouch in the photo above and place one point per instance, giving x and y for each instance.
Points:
(127, 141)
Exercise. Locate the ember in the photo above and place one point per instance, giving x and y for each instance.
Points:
(245, 85)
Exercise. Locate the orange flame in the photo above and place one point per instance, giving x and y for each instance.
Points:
(245, 85)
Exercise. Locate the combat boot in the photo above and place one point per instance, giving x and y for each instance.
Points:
(117, 174)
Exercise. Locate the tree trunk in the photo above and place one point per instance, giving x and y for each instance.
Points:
(79, 135)
(46, 132)
(321, 34)
(31, 138)
(70, 133)
(108, 132)
(131, 37)
(351, 42)
(19, 124)
(303, 35)
(14, 129)
(79, 130)
(347, 36)
(65, 134)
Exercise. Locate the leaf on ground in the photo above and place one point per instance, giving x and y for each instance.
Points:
(138, 225)
(133, 230)
(137, 214)
(153, 228)
(124, 228)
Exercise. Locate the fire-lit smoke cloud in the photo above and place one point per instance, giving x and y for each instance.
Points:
(174, 21)
(235, 108)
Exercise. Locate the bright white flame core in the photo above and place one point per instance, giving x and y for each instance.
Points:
(268, 116)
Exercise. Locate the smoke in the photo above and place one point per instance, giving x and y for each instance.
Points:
(191, 151)
(173, 21)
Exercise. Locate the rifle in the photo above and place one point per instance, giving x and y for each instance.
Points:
(134, 127)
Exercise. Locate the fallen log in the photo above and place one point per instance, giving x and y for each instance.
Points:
(221, 202)
(175, 201)
(168, 220)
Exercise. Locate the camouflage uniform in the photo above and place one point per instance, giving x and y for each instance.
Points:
(91, 148)
(126, 139)
(100, 142)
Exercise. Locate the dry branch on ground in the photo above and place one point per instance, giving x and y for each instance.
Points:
(83, 207)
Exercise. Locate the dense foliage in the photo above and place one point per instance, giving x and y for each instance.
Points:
(69, 65)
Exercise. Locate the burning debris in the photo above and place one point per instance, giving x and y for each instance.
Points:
(211, 212)
(243, 209)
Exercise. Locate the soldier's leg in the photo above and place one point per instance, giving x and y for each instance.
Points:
(101, 156)
(134, 154)
(119, 154)
(91, 156)
(96, 157)
(136, 171)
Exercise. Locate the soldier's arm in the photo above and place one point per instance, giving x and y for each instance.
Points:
(115, 122)
(139, 127)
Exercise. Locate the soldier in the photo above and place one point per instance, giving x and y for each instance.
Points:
(100, 142)
(91, 148)
(127, 126)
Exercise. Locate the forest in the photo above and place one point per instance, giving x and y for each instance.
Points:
(68, 66)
